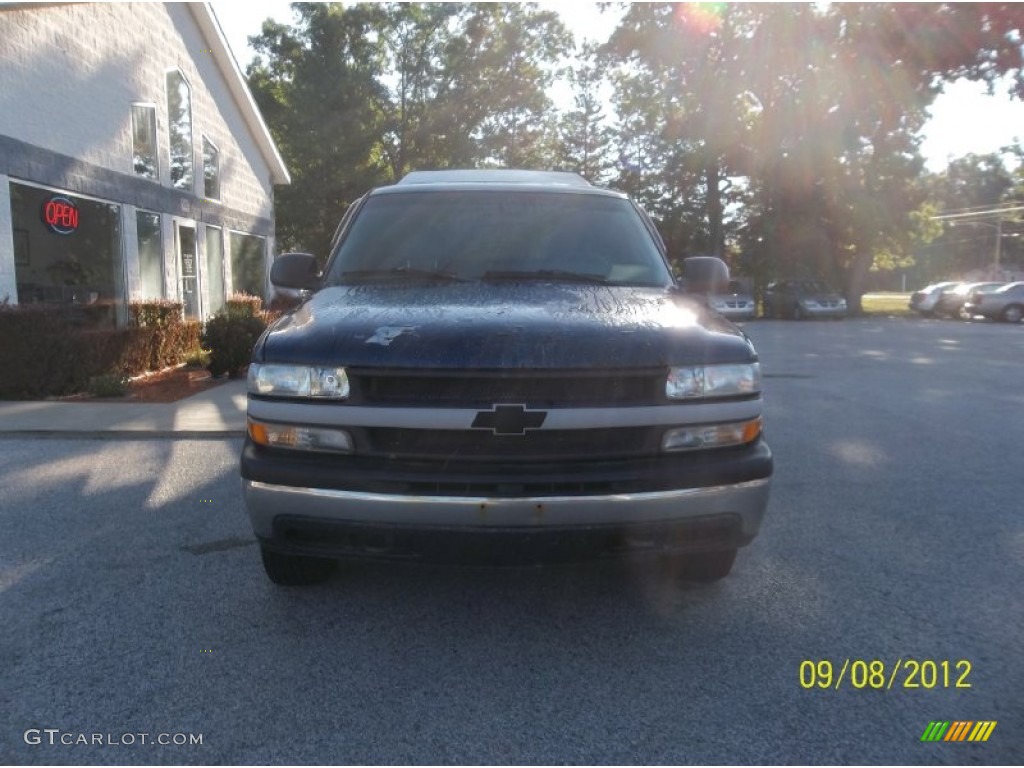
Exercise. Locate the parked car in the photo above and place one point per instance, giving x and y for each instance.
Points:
(925, 300)
(499, 366)
(800, 299)
(1006, 303)
(952, 299)
(734, 303)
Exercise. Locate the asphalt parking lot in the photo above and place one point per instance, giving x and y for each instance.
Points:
(133, 601)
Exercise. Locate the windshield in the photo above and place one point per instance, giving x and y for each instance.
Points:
(813, 286)
(734, 287)
(474, 235)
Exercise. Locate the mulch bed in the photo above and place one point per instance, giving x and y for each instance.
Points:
(166, 386)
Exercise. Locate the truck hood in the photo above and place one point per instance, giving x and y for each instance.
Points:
(504, 325)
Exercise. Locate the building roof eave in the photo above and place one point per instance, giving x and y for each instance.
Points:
(210, 27)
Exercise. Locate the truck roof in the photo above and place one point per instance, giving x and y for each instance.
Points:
(562, 178)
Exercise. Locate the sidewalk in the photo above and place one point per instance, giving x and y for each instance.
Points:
(217, 412)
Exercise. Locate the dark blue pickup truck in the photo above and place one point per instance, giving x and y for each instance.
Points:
(499, 367)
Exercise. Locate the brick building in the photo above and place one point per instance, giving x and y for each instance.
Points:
(134, 162)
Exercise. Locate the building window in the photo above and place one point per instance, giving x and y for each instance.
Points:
(211, 170)
(144, 140)
(248, 264)
(71, 253)
(215, 268)
(179, 126)
(151, 255)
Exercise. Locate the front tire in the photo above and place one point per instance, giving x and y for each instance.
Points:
(1013, 313)
(296, 570)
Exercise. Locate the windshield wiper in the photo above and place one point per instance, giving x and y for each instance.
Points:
(543, 275)
(370, 275)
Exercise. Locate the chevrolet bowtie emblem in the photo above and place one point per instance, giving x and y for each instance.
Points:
(509, 420)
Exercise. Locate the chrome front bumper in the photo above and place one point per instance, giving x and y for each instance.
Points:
(266, 502)
(824, 311)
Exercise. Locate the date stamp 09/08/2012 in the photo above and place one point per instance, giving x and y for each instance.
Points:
(877, 675)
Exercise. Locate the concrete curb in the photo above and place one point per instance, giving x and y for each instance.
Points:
(214, 414)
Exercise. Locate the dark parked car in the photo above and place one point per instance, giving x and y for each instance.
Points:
(925, 300)
(1006, 303)
(499, 366)
(800, 299)
(952, 298)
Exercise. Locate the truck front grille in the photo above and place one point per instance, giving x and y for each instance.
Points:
(474, 445)
(530, 387)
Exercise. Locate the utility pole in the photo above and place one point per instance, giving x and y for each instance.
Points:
(970, 218)
(999, 238)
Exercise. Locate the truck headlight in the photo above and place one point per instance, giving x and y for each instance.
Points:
(298, 381)
(689, 382)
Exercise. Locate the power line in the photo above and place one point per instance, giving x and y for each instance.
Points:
(977, 214)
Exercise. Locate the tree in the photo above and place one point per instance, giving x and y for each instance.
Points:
(584, 135)
(685, 106)
(357, 96)
(506, 72)
(970, 183)
(319, 87)
(819, 108)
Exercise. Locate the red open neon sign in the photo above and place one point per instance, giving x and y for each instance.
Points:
(60, 215)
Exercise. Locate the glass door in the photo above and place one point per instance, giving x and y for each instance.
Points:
(185, 244)
(214, 269)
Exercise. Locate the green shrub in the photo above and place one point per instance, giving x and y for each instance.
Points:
(230, 336)
(107, 385)
(197, 358)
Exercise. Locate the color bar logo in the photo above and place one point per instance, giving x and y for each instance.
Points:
(958, 730)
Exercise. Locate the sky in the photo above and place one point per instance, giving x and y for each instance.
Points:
(964, 119)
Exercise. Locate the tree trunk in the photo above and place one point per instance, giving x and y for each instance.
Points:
(715, 230)
(857, 277)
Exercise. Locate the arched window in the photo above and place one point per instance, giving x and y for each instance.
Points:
(179, 126)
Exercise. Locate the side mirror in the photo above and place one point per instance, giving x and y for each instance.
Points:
(705, 274)
(295, 270)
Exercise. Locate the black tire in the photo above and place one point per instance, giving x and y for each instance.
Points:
(296, 570)
(1013, 313)
(700, 567)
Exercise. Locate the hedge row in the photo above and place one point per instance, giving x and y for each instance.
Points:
(46, 353)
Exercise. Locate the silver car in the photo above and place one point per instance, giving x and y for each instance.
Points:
(951, 300)
(735, 303)
(1005, 304)
(926, 299)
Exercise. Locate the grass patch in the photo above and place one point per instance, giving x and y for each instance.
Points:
(886, 304)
